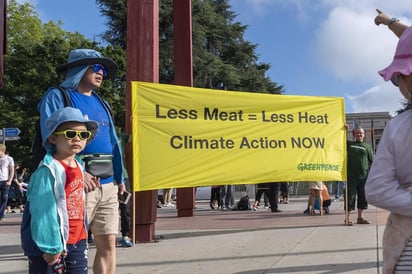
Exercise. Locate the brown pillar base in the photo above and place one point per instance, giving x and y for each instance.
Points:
(145, 214)
(185, 213)
(185, 201)
(146, 233)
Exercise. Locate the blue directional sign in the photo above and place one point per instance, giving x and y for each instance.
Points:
(11, 132)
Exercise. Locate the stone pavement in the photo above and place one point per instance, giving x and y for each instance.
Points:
(242, 242)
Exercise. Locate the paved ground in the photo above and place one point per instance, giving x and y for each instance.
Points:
(242, 242)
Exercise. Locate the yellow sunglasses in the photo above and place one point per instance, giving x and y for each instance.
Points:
(70, 134)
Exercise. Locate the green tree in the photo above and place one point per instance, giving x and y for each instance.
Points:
(33, 51)
(222, 59)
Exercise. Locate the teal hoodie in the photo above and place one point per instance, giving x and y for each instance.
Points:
(45, 220)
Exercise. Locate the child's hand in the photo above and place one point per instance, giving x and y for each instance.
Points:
(51, 259)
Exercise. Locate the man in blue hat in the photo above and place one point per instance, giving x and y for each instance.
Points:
(85, 71)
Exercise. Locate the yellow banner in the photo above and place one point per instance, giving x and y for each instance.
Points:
(185, 137)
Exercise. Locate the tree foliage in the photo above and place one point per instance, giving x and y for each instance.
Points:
(33, 51)
(222, 58)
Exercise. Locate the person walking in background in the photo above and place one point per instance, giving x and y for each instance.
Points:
(360, 157)
(274, 197)
(226, 197)
(284, 192)
(339, 188)
(265, 201)
(124, 204)
(6, 178)
(17, 188)
(124, 198)
(215, 197)
(19, 173)
(167, 197)
(85, 72)
(56, 198)
(389, 184)
(261, 189)
(15, 198)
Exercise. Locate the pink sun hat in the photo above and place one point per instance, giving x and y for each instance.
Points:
(402, 61)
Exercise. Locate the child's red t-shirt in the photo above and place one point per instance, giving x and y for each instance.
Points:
(75, 203)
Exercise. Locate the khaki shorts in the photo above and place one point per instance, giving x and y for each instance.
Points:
(103, 209)
(315, 185)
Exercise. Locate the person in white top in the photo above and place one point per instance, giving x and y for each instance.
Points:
(6, 177)
(389, 184)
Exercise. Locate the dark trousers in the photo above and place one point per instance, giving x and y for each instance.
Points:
(215, 195)
(284, 190)
(356, 189)
(226, 194)
(273, 195)
(259, 194)
(124, 219)
(4, 189)
(76, 261)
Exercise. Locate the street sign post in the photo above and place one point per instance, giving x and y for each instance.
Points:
(10, 134)
(13, 138)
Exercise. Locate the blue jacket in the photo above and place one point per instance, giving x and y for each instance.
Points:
(53, 100)
(45, 224)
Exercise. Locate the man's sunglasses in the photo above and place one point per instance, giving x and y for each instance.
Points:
(70, 134)
(97, 67)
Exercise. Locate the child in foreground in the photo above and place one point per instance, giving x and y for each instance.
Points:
(54, 226)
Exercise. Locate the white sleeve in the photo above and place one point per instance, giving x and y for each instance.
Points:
(382, 187)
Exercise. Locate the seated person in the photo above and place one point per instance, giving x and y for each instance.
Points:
(15, 198)
(326, 201)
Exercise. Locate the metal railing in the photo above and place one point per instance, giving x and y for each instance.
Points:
(295, 189)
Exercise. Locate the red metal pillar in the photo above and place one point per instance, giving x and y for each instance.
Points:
(142, 65)
(183, 71)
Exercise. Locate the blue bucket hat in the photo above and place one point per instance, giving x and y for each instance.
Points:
(68, 114)
(80, 57)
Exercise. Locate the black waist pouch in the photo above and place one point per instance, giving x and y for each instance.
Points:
(99, 165)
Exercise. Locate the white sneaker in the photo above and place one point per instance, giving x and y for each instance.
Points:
(170, 204)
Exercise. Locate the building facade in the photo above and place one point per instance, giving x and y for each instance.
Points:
(372, 122)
